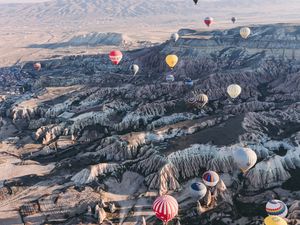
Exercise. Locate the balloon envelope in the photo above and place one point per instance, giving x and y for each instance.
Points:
(208, 21)
(37, 66)
(175, 37)
(245, 32)
(170, 78)
(134, 69)
(165, 208)
(171, 60)
(202, 100)
(210, 178)
(234, 90)
(276, 208)
(115, 56)
(274, 220)
(198, 190)
(189, 82)
(233, 19)
(195, 1)
(245, 158)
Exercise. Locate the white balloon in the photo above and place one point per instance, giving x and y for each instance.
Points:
(234, 90)
(135, 69)
(245, 32)
(245, 158)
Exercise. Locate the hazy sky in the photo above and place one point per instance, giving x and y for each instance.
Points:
(20, 1)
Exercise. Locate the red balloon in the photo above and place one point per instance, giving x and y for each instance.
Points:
(115, 56)
(208, 21)
(165, 208)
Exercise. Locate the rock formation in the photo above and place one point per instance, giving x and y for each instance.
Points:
(121, 138)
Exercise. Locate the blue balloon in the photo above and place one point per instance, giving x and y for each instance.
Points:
(189, 82)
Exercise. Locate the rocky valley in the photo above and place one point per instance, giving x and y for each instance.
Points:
(86, 142)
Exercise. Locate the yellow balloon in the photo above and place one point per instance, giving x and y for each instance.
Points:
(274, 220)
(245, 32)
(171, 60)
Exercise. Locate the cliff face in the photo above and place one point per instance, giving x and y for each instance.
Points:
(97, 122)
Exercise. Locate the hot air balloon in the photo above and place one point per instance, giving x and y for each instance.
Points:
(189, 82)
(274, 220)
(196, 98)
(276, 208)
(171, 60)
(198, 190)
(208, 21)
(233, 19)
(245, 158)
(210, 178)
(134, 69)
(234, 90)
(115, 56)
(170, 78)
(37, 66)
(245, 32)
(175, 37)
(195, 1)
(165, 208)
(202, 100)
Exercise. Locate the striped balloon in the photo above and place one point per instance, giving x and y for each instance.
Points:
(210, 178)
(276, 208)
(165, 208)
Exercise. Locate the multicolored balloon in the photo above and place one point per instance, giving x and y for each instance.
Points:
(208, 21)
(276, 208)
(274, 220)
(165, 208)
(210, 178)
(245, 158)
(115, 56)
(198, 190)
